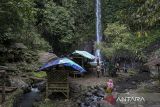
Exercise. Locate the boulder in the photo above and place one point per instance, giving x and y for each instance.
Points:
(100, 94)
(88, 94)
(18, 82)
(41, 86)
(82, 105)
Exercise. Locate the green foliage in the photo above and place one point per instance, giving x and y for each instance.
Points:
(136, 31)
(57, 20)
(129, 26)
(54, 23)
(118, 37)
(39, 74)
(122, 42)
(17, 19)
(84, 14)
(14, 15)
(33, 40)
(140, 15)
(62, 23)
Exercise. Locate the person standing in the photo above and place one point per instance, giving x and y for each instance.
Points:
(98, 68)
(110, 98)
(110, 86)
(117, 67)
(125, 68)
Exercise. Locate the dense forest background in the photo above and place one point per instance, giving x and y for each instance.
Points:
(130, 27)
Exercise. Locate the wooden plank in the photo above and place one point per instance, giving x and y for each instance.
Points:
(50, 82)
(58, 87)
(8, 89)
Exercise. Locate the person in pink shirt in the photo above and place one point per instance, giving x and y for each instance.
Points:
(110, 86)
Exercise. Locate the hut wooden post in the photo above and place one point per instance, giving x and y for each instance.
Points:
(3, 74)
(158, 65)
(47, 89)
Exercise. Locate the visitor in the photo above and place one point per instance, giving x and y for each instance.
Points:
(125, 68)
(117, 67)
(110, 86)
(98, 68)
(110, 98)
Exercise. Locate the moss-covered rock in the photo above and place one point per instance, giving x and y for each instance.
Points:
(11, 98)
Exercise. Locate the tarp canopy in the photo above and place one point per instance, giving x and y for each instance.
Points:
(84, 54)
(62, 61)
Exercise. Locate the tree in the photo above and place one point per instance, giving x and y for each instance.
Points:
(14, 14)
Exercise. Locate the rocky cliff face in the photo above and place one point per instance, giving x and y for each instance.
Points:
(87, 46)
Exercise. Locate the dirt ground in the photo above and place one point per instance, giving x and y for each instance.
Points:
(124, 81)
(91, 79)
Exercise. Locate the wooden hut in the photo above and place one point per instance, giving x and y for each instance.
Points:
(83, 58)
(57, 75)
(57, 81)
(78, 59)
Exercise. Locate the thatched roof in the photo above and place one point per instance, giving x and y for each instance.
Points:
(3, 67)
(19, 46)
(153, 62)
(45, 57)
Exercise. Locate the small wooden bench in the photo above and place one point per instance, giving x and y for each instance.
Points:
(57, 81)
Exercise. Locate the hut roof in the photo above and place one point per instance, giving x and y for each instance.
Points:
(3, 67)
(19, 46)
(45, 57)
(62, 61)
(84, 54)
(153, 62)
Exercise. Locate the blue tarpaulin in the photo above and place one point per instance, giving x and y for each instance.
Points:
(84, 54)
(62, 61)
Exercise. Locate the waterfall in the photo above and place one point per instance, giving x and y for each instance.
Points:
(98, 28)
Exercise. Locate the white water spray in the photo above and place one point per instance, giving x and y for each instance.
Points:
(98, 28)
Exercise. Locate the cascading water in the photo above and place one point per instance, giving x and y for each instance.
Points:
(98, 32)
(98, 28)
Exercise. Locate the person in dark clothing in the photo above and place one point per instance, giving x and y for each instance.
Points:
(125, 68)
(98, 68)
